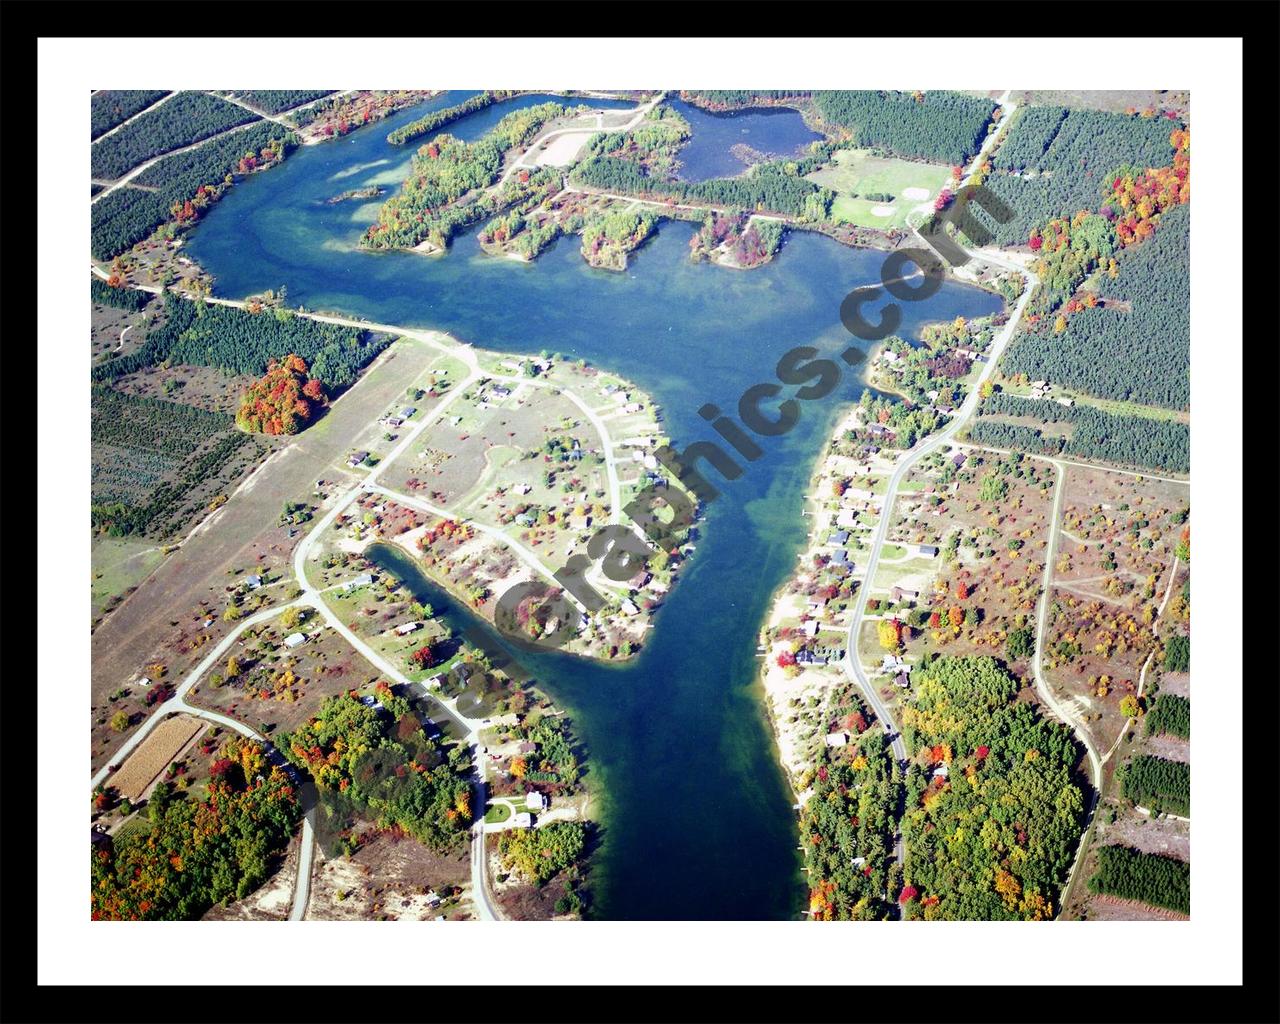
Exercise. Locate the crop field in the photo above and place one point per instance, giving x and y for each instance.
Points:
(157, 464)
(153, 755)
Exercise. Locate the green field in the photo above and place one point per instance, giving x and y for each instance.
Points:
(119, 563)
(856, 173)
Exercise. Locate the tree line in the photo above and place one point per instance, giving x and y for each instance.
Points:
(124, 218)
(1074, 154)
(1140, 354)
(121, 298)
(942, 126)
(1157, 784)
(187, 118)
(1096, 435)
(273, 101)
(1148, 877)
(237, 341)
(110, 107)
(1170, 714)
(436, 119)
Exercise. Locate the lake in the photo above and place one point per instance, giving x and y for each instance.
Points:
(709, 153)
(695, 809)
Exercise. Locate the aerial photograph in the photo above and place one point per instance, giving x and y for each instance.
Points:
(657, 504)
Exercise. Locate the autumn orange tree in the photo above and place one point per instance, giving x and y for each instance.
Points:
(890, 631)
(282, 402)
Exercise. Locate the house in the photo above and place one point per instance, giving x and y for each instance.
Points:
(811, 628)
(899, 593)
(632, 407)
(359, 581)
(629, 607)
(958, 460)
(522, 488)
(523, 820)
(877, 430)
(253, 582)
(527, 747)
(657, 586)
(837, 739)
(405, 628)
(433, 899)
(967, 353)
(295, 640)
(393, 421)
(535, 801)
(578, 518)
(500, 392)
(407, 412)
(1067, 401)
(902, 680)
(820, 654)
(524, 519)
(847, 518)
(927, 550)
(838, 539)
(892, 664)
(941, 772)
(369, 701)
(1040, 385)
(840, 557)
(889, 356)
(357, 458)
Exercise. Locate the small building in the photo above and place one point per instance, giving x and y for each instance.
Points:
(500, 392)
(522, 820)
(899, 593)
(407, 412)
(1066, 401)
(958, 460)
(967, 353)
(837, 739)
(535, 801)
(632, 407)
(527, 747)
(405, 628)
(253, 582)
(393, 421)
(657, 586)
(295, 640)
(927, 550)
(629, 607)
(811, 628)
(941, 772)
(357, 458)
(524, 519)
(890, 356)
(370, 701)
(522, 488)
(359, 581)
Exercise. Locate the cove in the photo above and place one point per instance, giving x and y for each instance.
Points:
(696, 813)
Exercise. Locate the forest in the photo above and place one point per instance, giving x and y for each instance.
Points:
(1076, 154)
(127, 216)
(1139, 352)
(654, 144)
(1177, 653)
(1160, 786)
(1151, 878)
(121, 298)
(738, 99)
(197, 853)
(273, 101)
(542, 853)
(381, 763)
(237, 341)
(110, 107)
(446, 169)
(766, 189)
(992, 815)
(946, 127)
(1169, 714)
(150, 457)
(187, 118)
(436, 119)
(1095, 435)
(282, 402)
(849, 822)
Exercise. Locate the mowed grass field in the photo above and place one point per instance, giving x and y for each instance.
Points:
(856, 173)
(118, 564)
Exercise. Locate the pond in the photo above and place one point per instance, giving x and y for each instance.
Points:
(779, 132)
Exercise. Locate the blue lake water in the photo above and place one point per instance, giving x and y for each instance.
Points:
(708, 154)
(696, 813)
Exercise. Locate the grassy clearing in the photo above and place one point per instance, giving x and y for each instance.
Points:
(856, 174)
(119, 563)
(497, 813)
